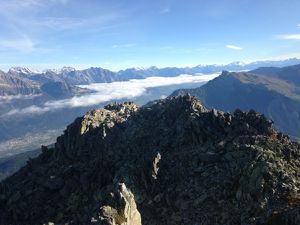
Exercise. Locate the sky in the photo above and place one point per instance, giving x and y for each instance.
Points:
(113, 34)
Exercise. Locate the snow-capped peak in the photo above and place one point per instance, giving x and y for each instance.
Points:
(141, 68)
(22, 70)
(67, 69)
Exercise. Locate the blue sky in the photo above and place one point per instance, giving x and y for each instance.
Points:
(139, 33)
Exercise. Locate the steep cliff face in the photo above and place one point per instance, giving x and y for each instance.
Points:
(172, 162)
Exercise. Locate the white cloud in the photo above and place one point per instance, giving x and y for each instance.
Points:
(9, 98)
(289, 36)
(105, 92)
(234, 47)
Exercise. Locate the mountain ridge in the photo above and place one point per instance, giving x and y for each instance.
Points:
(275, 95)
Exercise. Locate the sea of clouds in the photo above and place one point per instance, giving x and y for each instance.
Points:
(105, 92)
(9, 98)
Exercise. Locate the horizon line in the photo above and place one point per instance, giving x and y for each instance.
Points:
(79, 67)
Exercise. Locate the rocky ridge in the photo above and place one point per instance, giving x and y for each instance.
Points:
(172, 162)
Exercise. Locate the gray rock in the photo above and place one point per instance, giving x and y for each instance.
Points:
(181, 163)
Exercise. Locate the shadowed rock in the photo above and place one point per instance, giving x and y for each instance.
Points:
(172, 162)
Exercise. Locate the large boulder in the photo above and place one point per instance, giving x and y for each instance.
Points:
(122, 209)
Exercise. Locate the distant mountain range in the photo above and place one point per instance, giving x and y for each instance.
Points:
(138, 73)
(269, 90)
(23, 81)
(19, 80)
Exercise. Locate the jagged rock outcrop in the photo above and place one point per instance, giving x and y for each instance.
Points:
(172, 162)
(121, 209)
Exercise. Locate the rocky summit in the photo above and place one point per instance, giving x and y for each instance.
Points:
(170, 162)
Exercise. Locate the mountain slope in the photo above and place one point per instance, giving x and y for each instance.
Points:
(290, 74)
(274, 97)
(78, 77)
(13, 85)
(59, 90)
(174, 162)
(10, 165)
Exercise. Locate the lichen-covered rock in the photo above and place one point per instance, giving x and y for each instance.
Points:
(183, 164)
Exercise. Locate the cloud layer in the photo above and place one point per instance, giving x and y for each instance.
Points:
(9, 98)
(104, 92)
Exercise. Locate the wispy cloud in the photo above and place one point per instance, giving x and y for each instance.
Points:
(9, 98)
(24, 44)
(59, 23)
(289, 36)
(13, 6)
(234, 47)
(34, 14)
(18, 5)
(37, 24)
(105, 92)
(68, 23)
